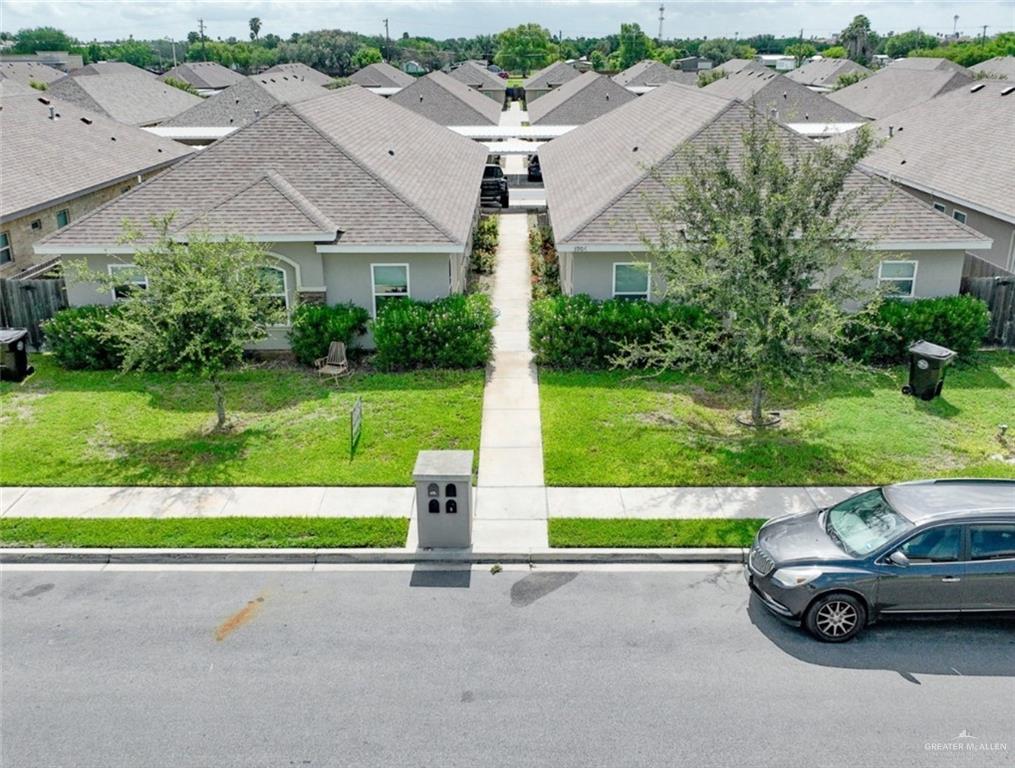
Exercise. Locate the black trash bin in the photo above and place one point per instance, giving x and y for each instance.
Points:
(14, 354)
(927, 364)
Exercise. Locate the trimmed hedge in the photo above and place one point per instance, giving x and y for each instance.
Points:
(456, 332)
(78, 340)
(484, 245)
(544, 263)
(315, 326)
(956, 322)
(581, 332)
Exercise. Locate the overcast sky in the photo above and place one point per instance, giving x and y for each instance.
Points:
(111, 19)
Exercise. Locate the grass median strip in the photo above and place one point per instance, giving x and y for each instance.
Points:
(205, 532)
(571, 532)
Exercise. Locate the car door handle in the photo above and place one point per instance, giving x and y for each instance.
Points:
(951, 579)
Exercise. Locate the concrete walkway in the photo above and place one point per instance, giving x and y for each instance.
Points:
(511, 506)
(514, 115)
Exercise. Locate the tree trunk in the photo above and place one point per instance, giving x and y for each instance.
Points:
(220, 404)
(757, 396)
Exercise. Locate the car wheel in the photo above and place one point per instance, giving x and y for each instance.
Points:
(836, 618)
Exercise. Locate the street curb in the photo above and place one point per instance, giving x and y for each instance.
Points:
(369, 556)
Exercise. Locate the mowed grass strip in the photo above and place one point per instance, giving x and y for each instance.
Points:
(571, 532)
(205, 532)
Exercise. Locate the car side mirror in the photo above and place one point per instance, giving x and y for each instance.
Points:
(898, 558)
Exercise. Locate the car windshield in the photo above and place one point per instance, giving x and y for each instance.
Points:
(864, 523)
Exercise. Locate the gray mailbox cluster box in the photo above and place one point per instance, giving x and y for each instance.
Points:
(444, 498)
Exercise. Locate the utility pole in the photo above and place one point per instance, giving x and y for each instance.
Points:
(204, 48)
(662, 9)
(955, 25)
(983, 39)
(560, 44)
(387, 42)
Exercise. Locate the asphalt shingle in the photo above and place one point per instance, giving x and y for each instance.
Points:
(893, 89)
(648, 72)
(480, 78)
(999, 67)
(578, 101)
(447, 101)
(550, 77)
(204, 74)
(134, 99)
(29, 71)
(770, 92)
(381, 75)
(301, 71)
(825, 73)
(242, 103)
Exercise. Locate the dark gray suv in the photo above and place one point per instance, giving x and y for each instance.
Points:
(929, 547)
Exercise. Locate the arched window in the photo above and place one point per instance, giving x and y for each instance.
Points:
(450, 490)
(276, 289)
(451, 506)
(433, 490)
(434, 507)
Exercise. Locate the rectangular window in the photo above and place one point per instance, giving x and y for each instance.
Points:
(62, 218)
(940, 207)
(276, 289)
(389, 282)
(959, 216)
(899, 277)
(992, 542)
(128, 278)
(6, 252)
(630, 280)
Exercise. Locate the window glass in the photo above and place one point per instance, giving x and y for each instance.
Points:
(936, 545)
(899, 277)
(630, 281)
(128, 278)
(274, 289)
(62, 218)
(959, 216)
(391, 283)
(6, 252)
(864, 523)
(939, 207)
(991, 542)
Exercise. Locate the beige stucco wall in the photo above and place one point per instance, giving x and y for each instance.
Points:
(23, 237)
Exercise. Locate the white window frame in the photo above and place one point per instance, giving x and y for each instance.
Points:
(956, 213)
(9, 248)
(636, 295)
(285, 294)
(940, 207)
(912, 290)
(373, 284)
(111, 268)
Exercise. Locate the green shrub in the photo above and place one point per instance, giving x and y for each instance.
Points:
(544, 263)
(456, 332)
(956, 322)
(581, 332)
(484, 244)
(183, 85)
(78, 338)
(315, 326)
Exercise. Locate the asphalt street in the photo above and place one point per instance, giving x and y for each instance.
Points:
(416, 667)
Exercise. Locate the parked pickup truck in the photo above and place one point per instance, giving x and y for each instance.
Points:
(495, 187)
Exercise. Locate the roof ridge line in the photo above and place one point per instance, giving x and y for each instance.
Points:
(297, 198)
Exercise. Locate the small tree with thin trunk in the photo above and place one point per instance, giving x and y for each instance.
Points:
(765, 241)
(204, 302)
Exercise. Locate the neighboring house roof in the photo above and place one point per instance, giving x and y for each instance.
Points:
(28, 71)
(736, 65)
(928, 64)
(204, 74)
(301, 71)
(954, 146)
(9, 87)
(47, 160)
(649, 72)
(366, 170)
(550, 77)
(110, 68)
(242, 103)
(578, 101)
(448, 102)
(772, 92)
(381, 75)
(134, 99)
(893, 89)
(479, 77)
(594, 203)
(999, 65)
(825, 73)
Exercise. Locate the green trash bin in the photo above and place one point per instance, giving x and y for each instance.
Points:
(927, 363)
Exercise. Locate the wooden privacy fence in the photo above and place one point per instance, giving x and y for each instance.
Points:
(999, 293)
(26, 303)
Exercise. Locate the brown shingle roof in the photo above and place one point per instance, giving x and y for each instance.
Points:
(896, 88)
(204, 74)
(447, 101)
(578, 101)
(792, 102)
(134, 99)
(381, 75)
(376, 171)
(47, 160)
(595, 203)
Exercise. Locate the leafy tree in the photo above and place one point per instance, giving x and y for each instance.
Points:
(131, 51)
(859, 39)
(597, 60)
(834, 52)
(634, 45)
(255, 28)
(721, 50)
(901, 44)
(43, 39)
(968, 53)
(767, 248)
(327, 50)
(366, 55)
(709, 76)
(183, 85)
(849, 79)
(524, 48)
(800, 52)
(205, 302)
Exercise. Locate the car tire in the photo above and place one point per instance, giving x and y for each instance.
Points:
(836, 618)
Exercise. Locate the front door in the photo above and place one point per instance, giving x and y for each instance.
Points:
(989, 583)
(932, 581)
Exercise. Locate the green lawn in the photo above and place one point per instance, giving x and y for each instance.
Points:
(606, 428)
(590, 532)
(102, 428)
(245, 532)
